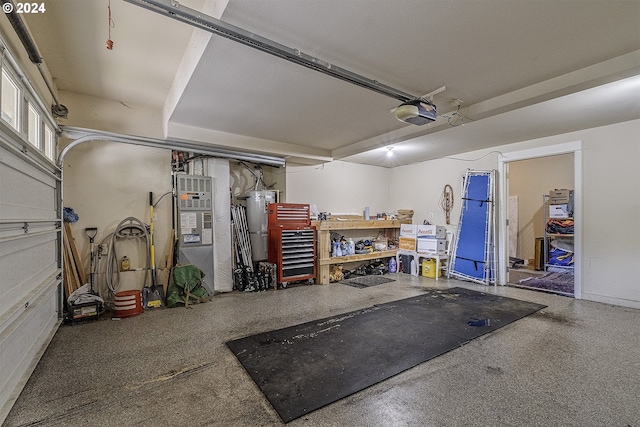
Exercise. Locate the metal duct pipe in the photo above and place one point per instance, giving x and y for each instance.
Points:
(81, 135)
(175, 10)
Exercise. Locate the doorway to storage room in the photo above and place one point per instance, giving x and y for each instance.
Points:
(540, 230)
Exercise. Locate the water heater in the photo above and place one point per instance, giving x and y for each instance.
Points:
(257, 202)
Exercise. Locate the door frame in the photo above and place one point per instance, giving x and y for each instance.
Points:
(504, 159)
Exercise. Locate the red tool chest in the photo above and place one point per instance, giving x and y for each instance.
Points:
(291, 241)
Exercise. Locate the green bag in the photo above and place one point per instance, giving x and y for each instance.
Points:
(186, 287)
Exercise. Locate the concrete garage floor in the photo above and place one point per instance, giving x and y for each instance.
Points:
(575, 363)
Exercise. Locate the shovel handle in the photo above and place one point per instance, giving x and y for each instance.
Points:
(91, 232)
(152, 252)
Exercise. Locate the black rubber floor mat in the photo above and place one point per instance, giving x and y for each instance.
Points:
(366, 281)
(305, 367)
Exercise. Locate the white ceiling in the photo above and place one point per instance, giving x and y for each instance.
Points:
(523, 69)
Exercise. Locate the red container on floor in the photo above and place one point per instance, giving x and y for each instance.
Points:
(127, 304)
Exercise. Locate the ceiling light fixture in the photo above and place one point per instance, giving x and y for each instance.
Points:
(389, 151)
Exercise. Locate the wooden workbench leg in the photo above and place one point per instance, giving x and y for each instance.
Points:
(323, 274)
(324, 252)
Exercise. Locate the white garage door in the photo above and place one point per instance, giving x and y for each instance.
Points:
(30, 268)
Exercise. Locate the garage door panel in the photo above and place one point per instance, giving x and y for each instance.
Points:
(22, 343)
(21, 275)
(25, 192)
(30, 285)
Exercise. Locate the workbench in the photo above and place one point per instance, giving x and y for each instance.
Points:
(324, 229)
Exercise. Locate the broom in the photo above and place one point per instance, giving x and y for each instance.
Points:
(152, 296)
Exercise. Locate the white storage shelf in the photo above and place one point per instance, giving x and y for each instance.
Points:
(550, 213)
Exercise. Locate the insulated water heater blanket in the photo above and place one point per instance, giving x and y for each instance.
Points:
(305, 367)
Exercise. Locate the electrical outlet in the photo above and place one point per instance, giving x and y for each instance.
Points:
(155, 217)
(431, 215)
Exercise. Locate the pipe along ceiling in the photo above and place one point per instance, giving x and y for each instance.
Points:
(82, 135)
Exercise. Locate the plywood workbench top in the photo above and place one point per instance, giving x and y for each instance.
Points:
(335, 224)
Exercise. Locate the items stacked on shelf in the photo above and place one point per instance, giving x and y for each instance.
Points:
(431, 239)
(559, 230)
(326, 227)
(422, 241)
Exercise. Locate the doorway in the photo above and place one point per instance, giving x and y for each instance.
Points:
(530, 182)
(533, 173)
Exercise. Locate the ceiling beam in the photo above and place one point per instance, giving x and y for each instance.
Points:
(291, 152)
(609, 71)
